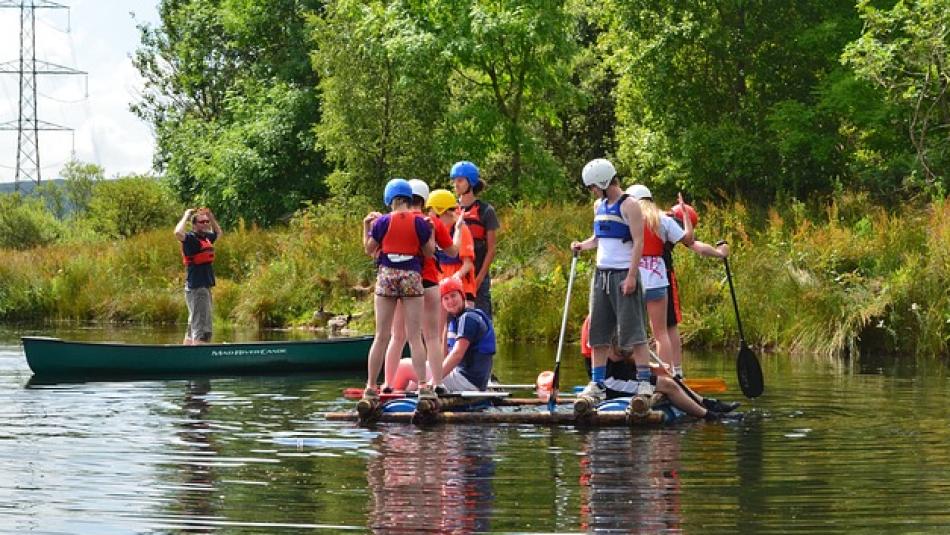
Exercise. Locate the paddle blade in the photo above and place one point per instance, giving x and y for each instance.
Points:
(713, 385)
(750, 373)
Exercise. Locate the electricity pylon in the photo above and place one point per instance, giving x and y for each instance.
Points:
(27, 125)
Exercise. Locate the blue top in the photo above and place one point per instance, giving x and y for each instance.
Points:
(609, 222)
(381, 226)
(476, 327)
(200, 275)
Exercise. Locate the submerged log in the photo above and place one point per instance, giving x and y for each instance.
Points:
(605, 419)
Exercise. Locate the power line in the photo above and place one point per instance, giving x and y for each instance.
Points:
(28, 125)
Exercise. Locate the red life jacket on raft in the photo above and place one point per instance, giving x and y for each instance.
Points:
(205, 254)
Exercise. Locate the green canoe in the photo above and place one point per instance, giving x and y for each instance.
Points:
(52, 357)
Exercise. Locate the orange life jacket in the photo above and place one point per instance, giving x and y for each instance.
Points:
(473, 219)
(401, 236)
(205, 254)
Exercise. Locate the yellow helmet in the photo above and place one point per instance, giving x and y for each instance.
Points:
(441, 200)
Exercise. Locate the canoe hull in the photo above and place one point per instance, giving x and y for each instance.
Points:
(61, 358)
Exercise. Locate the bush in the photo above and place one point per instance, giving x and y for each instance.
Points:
(127, 206)
(26, 223)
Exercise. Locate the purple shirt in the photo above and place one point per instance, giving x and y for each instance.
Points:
(381, 226)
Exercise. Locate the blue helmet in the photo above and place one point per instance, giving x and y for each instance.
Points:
(396, 187)
(466, 170)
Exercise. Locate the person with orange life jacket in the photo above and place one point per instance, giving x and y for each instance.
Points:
(398, 241)
(673, 311)
(460, 264)
(197, 252)
(659, 230)
(432, 310)
(483, 224)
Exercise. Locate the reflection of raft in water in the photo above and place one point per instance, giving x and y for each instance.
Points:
(497, 408)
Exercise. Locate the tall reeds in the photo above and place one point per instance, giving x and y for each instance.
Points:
(842, 278)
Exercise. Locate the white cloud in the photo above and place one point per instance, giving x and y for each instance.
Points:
(102, 39)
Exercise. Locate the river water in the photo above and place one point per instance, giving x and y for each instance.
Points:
(828, 449)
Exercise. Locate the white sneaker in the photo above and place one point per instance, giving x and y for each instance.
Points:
(594, 392)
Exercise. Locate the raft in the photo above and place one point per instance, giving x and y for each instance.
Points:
(611, 413)
(53, 357)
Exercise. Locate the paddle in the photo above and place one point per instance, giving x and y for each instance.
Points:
(552, 401)
(676, 378)
(747, 364)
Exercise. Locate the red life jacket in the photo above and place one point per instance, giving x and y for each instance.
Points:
(652, 244)
(401, 236)
(473, 219)
(205, 254)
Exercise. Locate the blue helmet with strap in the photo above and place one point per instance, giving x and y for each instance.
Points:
(466, 170)
(397, 187)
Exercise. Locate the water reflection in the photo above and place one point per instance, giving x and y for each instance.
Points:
(630, 481)
(195, 434)
(428, 480)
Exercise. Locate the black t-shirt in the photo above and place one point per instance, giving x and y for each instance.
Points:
(200, 275)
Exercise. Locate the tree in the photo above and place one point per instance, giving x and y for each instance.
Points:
(905, 50)
(510, 78)
(383, 93)
(230, 93)
(699, 82)
(81, 179)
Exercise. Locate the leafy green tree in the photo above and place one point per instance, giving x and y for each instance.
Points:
(905, 50)
(699, 82)
(129, 205)
(230, 93)
(510, 78)
(383, 90)
(81, 179)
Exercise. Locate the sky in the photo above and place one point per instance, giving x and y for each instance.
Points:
(101, 40)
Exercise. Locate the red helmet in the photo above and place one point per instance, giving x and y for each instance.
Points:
(678, 213)
(449, 285)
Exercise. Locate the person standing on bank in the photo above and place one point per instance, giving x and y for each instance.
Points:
(483, 224)
(616, 299)
(197, 253)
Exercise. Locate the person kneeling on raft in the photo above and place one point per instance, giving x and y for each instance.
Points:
(470, 341)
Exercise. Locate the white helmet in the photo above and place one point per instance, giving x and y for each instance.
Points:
(639, 191)
(598, 172)
(419, 188)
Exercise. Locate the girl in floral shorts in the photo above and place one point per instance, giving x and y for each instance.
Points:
(398, 240)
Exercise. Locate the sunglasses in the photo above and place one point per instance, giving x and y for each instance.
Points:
(204, 221)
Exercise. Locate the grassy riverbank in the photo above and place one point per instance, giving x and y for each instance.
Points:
(828, 281)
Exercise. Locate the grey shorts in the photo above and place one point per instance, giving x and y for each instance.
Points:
(199, 313)
(614, 316)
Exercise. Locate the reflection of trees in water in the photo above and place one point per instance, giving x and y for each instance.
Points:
(629, 481)
(436, 480)
(195, 434)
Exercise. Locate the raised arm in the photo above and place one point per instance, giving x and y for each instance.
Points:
(688, 236)
(180, 227)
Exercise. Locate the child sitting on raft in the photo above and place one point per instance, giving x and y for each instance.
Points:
(470, 345)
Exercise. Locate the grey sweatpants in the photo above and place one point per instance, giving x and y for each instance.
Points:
(199, 314)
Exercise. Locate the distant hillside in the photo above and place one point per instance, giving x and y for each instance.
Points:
(27, 186)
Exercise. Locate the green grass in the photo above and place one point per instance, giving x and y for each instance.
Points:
(829, 280)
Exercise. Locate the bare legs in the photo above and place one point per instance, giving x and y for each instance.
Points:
(656, 309)
(385, 308)
(428, 318)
